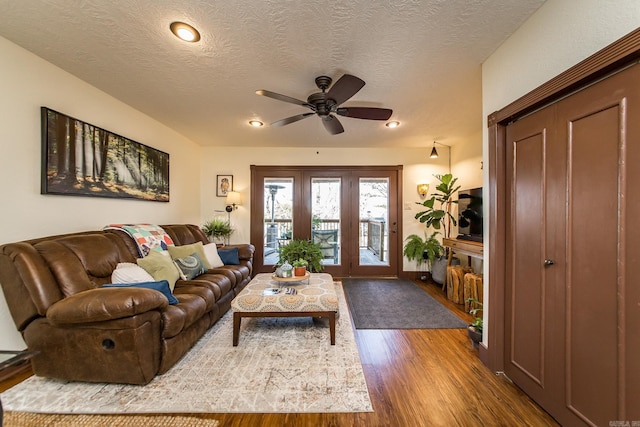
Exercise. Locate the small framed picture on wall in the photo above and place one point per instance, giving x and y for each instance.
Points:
(224, 184)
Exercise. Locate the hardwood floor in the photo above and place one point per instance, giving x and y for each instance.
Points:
(420, 377)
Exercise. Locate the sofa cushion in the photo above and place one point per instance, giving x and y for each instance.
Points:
(128, 272)
(190, 266)
(161, 267)
(229, 256)
(160, 286)
(179, 317)
(186, 250)
(211, 253)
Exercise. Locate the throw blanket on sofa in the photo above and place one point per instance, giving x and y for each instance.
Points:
(148, 237)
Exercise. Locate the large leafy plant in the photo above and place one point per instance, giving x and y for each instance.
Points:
(418, 249)
(438, 208)
(306, 250)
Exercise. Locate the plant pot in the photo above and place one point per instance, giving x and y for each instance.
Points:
(476, 337)
(299, 271)
(439, 268)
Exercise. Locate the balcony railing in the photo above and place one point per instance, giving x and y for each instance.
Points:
(373, 234)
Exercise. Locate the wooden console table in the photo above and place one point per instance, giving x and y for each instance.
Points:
(466, 247)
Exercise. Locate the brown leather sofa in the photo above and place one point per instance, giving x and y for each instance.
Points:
(84, 332)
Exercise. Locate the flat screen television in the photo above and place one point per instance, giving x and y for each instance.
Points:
(470, 214)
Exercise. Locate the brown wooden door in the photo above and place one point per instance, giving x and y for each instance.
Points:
(348, 211)
(375, 234)
(573, 301)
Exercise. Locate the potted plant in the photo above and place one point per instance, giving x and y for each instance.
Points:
(420, 250)
(300, 267)
(439, 217)
(217, 230)
(475, 327)
(306, 250)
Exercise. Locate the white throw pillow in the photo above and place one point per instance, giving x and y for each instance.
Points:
(127, 272)
(211, 252)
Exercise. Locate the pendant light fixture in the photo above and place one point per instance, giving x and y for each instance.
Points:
(434, 152)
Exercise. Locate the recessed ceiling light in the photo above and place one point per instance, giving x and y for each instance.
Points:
(393, 124)
(255, 123)
(185, 32)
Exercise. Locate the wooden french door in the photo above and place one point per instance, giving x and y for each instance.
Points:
(572, 302)
(353, 211)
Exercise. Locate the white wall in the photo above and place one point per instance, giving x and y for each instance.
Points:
(559, 35)
(27, 83)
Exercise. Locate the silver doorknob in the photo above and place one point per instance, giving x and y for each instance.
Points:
(548, 262)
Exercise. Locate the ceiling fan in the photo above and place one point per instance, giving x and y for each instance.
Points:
(326, 104)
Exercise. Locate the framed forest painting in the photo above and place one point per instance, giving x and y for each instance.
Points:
(80, 159)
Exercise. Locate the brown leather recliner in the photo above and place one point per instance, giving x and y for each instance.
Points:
(84, 332)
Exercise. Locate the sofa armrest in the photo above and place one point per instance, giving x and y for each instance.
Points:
(102, 304)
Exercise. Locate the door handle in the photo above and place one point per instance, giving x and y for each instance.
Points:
(548, 262)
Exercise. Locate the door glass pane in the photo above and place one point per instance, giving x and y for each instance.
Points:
(374, 216)
(325, 217)
(278, 216)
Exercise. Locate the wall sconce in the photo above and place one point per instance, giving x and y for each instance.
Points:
(233, 201)
(423, 189)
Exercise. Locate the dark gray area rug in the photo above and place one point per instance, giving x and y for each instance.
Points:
(395, 304)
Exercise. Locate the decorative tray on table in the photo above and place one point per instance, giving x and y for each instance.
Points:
(291, 279)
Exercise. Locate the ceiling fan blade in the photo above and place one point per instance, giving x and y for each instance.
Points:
(291, 119)
(284, 98)
(345, 88)
(369, 113)
(332, 125)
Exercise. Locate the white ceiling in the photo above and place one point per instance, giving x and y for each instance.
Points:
(420, 58)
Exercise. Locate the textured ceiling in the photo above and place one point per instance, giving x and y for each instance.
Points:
(420, 58)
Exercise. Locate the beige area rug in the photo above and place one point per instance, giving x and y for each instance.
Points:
(25, 419)
(280, 365)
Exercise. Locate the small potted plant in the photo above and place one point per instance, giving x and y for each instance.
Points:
(217, 230)
(475, 327)
(300, 267)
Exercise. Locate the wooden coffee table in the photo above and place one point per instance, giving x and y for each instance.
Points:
(315, 297)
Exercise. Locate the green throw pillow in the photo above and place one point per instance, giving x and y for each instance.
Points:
(160, 267)
(187, 250)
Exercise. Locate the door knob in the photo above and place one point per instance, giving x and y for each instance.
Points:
(548, 262)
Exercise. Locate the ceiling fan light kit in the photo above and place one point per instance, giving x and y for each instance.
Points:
(326, 104)
(393, 124)
(255, 123)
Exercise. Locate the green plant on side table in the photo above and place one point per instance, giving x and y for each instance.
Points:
(420, 250)
(305, 250)
(475, 327)
(217, 229)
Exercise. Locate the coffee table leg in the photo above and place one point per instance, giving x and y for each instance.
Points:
(236, 328)
(332, 327)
